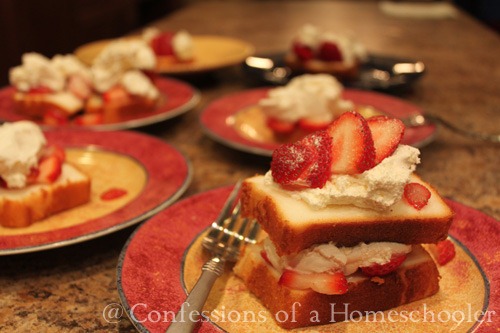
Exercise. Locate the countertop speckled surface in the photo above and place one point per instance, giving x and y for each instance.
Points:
(67, 289)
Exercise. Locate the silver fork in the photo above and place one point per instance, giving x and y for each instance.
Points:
(421, 120)
(224, 240)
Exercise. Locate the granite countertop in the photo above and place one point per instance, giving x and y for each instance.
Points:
(68, 289)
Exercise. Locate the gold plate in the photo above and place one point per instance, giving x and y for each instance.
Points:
(210, 52)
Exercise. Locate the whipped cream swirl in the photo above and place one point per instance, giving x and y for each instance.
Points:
(377, 188)
(314, 96)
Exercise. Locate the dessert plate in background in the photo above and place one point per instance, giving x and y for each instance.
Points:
(179, 97)
(210, 53)
(120, 159)
(470, 284)
(378, 72)
(236, 121)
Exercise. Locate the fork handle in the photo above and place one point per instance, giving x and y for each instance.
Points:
(187, 317)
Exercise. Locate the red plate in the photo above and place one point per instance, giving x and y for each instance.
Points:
(152, 272)
(111, 159)
(180, 97)
(217, 124)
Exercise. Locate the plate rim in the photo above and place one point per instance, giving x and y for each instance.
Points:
(119, 226)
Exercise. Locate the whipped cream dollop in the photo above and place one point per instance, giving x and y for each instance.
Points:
(117, 59)
(377, 188)
(21, 144)
(314, 96)
(351, 49)
(37, 70)
(328, 258)
(183, 46)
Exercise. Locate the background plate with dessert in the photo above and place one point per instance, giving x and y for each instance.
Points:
(113, 161)
(237, 120)
(377, 72)
(210, 52)
(468, 283)
(176, 98)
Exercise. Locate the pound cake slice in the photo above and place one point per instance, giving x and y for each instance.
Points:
(293, 225)
(22, 207)
(35, 179)
(415, 279)
(345, 216)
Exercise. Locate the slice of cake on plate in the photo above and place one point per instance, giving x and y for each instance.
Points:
(35, 180)
(344, 215)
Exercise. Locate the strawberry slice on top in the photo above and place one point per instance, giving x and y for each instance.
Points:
(305, 163)
(353, 150)
(387, 134)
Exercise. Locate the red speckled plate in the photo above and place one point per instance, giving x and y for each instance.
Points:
(218, 118)
(112, 160)
(153, 275)
(180, 97)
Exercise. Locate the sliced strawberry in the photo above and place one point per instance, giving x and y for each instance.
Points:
(79, 87)
(381, 270)
(313, 125)
(162, 44)
(280, 126)
(50, 169)
(319, 171)
(54, 150)
(116, 95)
(352, 144)
(264, 256)
(303, 52)
(89, 119)
(306, 163)
(3, 183)
(387, 134)
(113, 193)
(55, 117)
(417, 195)
(289, 161)
(443, 251)
(40, 90)
(94, 104)
(324, 283)
(33, 175)
(329, 51)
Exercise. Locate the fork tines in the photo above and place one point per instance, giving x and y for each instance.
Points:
(228, 232)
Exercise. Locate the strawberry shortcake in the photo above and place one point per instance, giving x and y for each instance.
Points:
(36, 181)
(344, 217)
(120, 84)
(317, 51)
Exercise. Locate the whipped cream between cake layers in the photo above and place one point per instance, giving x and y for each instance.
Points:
(315, 96)
(21, 144)
(122, 63)
(377, 188)
(328, 258)
(350, 48)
